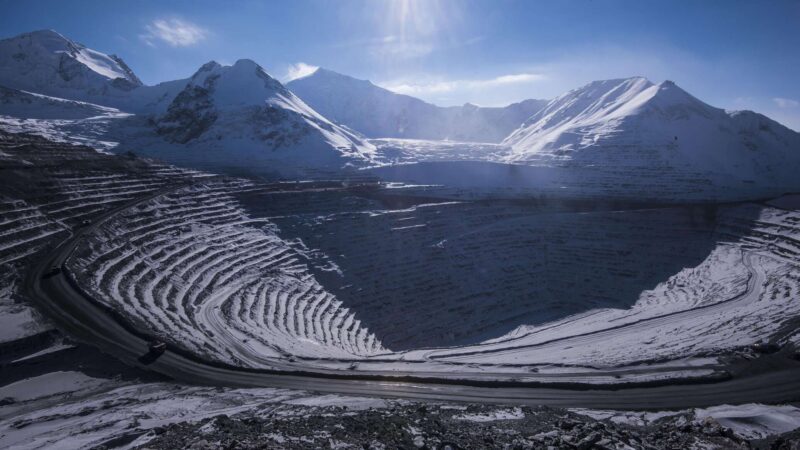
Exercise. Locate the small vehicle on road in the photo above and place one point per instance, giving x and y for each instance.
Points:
(157, 348)
(85, 223)
(52, 271)
(766, 347)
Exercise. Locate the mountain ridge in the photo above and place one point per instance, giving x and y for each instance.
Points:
(239, 114)
(241, 110)
(380, 113)
(635, 123)
(46, 62)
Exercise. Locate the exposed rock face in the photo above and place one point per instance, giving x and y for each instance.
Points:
(191, 113)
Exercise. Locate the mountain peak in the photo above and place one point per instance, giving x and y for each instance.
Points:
(47, 40)
(246, 63)
(242, 103)
(44, 61)
(323, 72)
(209, 66)
(243, 83)
(45, 33)
(331, 79)
(612, 83)
(378, 112)
(668, 94)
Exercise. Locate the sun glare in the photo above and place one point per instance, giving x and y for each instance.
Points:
(413, 28)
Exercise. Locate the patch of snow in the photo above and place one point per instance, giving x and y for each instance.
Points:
(635, 418)
(754, 421)
(52, 349)
(493, 416)
(50, 384)
(353, 403)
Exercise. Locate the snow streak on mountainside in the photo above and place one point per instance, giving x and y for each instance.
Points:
(30, 105)
(380, 113)
(634, 123)
(58, 119)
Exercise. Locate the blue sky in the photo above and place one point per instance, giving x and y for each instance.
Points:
(731, 54)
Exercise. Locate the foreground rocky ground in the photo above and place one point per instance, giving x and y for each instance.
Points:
(61, 409)
(414, 425)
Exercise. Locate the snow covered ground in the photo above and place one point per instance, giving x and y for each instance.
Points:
(750, 421)
(67, 410)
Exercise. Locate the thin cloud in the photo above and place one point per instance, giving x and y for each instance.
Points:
(786, 102)
(299, 70)
(439, 87)
(390, 46)
(174, 32)
(404, 50)
(395, 47)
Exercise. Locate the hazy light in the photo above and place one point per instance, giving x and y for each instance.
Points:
(299, 70)
(411, 28)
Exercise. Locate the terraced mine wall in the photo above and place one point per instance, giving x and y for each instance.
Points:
(48, 190)
(194, 268)
(247, 273)
(427, 272)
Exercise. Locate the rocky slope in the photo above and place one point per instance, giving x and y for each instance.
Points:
(447, 427)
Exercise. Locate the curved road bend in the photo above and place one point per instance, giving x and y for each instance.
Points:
(88, 322)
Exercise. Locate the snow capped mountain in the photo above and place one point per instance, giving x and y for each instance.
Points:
(221, 116)
(242, 115)
(48, 63)
(651, 135)
(635, 123)
(378, 112)
(362, 106)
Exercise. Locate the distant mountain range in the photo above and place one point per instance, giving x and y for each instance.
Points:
(379, 113)
(225, 115)
(629, 134)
